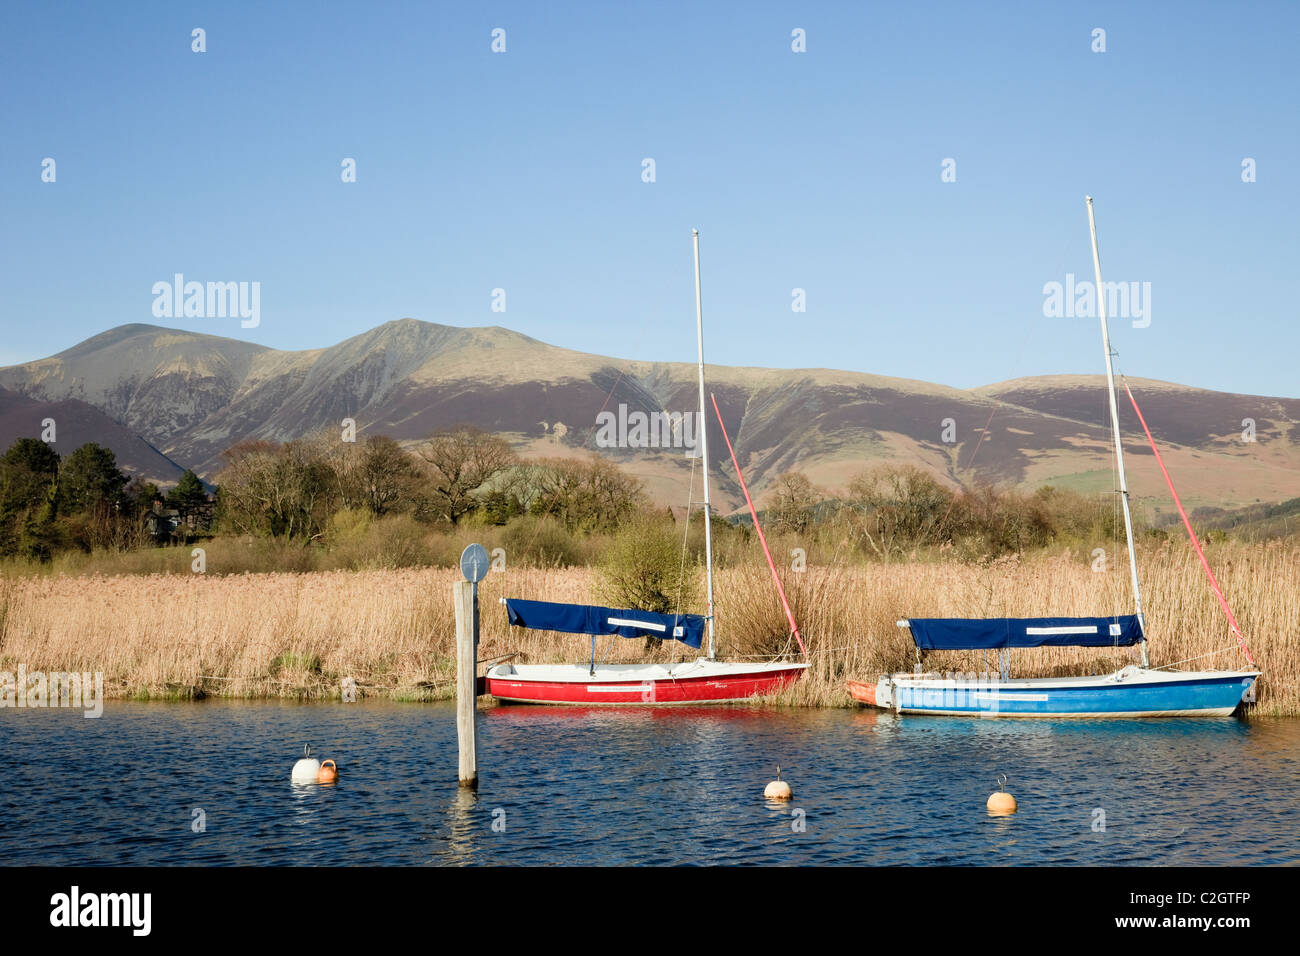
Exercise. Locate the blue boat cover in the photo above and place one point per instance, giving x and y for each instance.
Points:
(965, 634)
(589, 619)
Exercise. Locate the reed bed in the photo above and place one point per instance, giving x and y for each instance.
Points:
(298, 635)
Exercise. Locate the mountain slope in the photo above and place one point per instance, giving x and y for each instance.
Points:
(193, 395)
(75, 424)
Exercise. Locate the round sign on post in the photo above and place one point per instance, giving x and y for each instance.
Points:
(474, 563)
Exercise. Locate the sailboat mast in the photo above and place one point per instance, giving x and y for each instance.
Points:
(1114, 424)
(703, 432)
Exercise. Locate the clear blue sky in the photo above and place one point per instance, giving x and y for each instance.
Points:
(522, 171)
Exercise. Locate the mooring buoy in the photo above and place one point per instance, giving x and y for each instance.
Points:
(328, 773)
(307, 769)
(778, 789)
(1001, 803)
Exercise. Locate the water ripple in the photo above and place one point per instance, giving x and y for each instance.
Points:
(613, 787)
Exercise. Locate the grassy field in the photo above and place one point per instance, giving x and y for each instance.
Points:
(298, 635)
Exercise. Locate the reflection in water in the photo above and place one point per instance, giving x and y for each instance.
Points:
(463, 829)
(864, 719)
(302, 794)
(631, 785)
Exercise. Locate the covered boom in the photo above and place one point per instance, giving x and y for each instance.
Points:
(590, 619)
(973, 634)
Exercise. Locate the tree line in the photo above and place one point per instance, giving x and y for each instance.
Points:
(461, 474)
(890, 509)
(292, 491)
(50, 503)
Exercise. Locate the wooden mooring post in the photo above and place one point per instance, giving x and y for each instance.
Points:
(466, 679)
(474, 566)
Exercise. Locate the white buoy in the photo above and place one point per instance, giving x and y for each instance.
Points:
(307, 769)
(778, 789)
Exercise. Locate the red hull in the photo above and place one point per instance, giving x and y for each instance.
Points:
(690, 690)
(865, 693)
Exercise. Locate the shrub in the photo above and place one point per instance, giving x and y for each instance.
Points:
(642, 567)
(542, 542)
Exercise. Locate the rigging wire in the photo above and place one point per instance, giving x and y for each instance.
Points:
(690, 500)
(681, 574)
(794, 627)
(1116, 494)
(1191, 534)
(1116, 505)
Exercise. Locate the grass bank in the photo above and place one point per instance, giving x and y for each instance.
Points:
(297, 635)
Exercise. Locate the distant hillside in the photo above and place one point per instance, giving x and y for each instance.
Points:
(191, 395)
(1254, 522)
(77, 423)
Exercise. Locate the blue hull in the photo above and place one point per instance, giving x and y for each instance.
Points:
(1129, 693)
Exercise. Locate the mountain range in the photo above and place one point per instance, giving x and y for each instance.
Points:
(169, 399)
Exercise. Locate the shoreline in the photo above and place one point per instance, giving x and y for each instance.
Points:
(298, 635)
(487, 703)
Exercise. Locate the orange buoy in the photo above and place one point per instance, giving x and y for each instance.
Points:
(328, 773)
(1001, 803)
(778, 789)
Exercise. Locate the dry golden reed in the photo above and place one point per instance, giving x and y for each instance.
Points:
(299, 634)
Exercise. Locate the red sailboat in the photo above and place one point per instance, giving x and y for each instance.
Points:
(705, 680)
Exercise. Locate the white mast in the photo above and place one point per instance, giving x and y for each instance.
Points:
(702, 431)
(1114, 424)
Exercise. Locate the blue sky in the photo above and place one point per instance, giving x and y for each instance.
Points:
(523, 171)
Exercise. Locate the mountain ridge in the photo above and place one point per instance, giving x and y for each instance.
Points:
(190, 394)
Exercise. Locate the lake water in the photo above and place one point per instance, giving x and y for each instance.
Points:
(653, 786)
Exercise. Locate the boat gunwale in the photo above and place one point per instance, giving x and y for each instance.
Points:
(1144, 677)
(1072, 715)
(578, 673)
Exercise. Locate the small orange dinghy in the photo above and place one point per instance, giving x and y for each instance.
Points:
(864, 693)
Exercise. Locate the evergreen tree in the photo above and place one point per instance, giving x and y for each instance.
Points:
(28, 498)
(188, 497)
(89, 480)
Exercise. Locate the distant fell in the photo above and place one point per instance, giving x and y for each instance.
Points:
(172, 398)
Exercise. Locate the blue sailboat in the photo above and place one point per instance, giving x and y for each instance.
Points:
(1132, 691)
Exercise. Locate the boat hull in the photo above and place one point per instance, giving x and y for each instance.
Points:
(1130, 692)
(694, 682)
(862, 692)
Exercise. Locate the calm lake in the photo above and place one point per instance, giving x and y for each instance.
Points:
(666, 786)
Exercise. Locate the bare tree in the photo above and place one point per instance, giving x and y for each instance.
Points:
(591, 494)
(245, 495)
(461, 460)
(794, 503)
(281, 490)
(376, 474)
(898, 506)
(386, 476)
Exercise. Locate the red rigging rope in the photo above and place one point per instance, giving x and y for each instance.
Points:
(759, 528)
(1218, 591)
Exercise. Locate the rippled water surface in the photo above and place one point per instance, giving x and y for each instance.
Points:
(606, 786)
